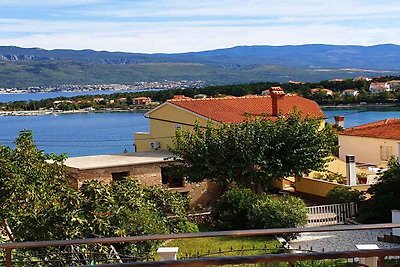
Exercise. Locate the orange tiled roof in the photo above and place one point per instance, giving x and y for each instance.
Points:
(235, 109)
(385, 129)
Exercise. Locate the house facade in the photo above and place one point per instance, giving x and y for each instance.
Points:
(141, 101)
(372, 143)
(350, 92)
(379, 87)
(184, 113)
(394, 85)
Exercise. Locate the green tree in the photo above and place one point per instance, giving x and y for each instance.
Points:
(37, 203)
(254, 153)
(35, 197)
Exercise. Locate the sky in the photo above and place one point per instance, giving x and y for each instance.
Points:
(150, 26)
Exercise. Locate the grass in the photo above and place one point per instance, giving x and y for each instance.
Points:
(224, 246)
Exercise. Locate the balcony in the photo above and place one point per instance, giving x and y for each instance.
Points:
(285, 257)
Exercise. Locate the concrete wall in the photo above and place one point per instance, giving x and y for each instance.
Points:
(163, 123)
(200, 194)
(366, 149)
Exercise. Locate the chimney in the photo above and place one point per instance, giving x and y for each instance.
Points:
(277, 94)
(339, 120)
(351, 170)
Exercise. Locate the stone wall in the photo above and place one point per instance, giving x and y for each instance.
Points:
(200, 194)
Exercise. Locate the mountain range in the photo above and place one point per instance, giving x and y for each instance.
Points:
(21, 67)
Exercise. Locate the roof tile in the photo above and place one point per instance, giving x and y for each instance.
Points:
(235, 109)
(385, 129)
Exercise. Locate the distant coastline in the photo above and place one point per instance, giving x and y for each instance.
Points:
(64, 112)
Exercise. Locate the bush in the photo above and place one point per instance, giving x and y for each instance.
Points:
(183, 226)
(242, 209)
(231, 211)
(341, 194)
(269, 212)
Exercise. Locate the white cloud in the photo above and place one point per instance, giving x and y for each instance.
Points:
(180, 26)
(47, 3)
(194, 38)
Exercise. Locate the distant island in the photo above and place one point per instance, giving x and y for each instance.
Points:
(35, 67)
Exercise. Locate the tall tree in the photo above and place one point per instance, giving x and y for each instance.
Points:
(254, 153)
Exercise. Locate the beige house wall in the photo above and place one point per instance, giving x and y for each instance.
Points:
(164, 121)
(366, 149)
(200, 194)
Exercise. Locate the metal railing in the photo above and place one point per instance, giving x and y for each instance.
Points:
(330, 214)
(381, 253)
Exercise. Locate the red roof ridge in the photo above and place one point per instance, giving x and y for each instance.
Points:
(227, 97)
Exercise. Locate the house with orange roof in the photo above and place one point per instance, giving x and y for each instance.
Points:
(372, 143)
(185, 112)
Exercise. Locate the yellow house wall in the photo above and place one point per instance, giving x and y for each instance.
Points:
(163, 122)
(366, 149)
(320, 188)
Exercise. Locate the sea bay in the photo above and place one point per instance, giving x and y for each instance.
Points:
(112, 133)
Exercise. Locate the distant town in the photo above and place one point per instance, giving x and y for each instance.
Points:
(105, 87)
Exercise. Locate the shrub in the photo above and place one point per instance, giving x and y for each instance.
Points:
(231, 211)
(242, 209)
(269, 212)
(341, 194)
(183, 226)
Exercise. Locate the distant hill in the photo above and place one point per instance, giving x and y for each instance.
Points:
(21, 67)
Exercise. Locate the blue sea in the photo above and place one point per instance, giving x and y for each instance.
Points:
(105, 133)
(78, 134)
(358, 116)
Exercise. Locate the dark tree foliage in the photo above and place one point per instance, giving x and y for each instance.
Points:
(385, 194)
(232, 209)
(254, 153)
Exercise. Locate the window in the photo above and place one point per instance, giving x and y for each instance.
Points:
(176, 182)
(164, 176)
(386, 152)
(117, 176)
(171, 180)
